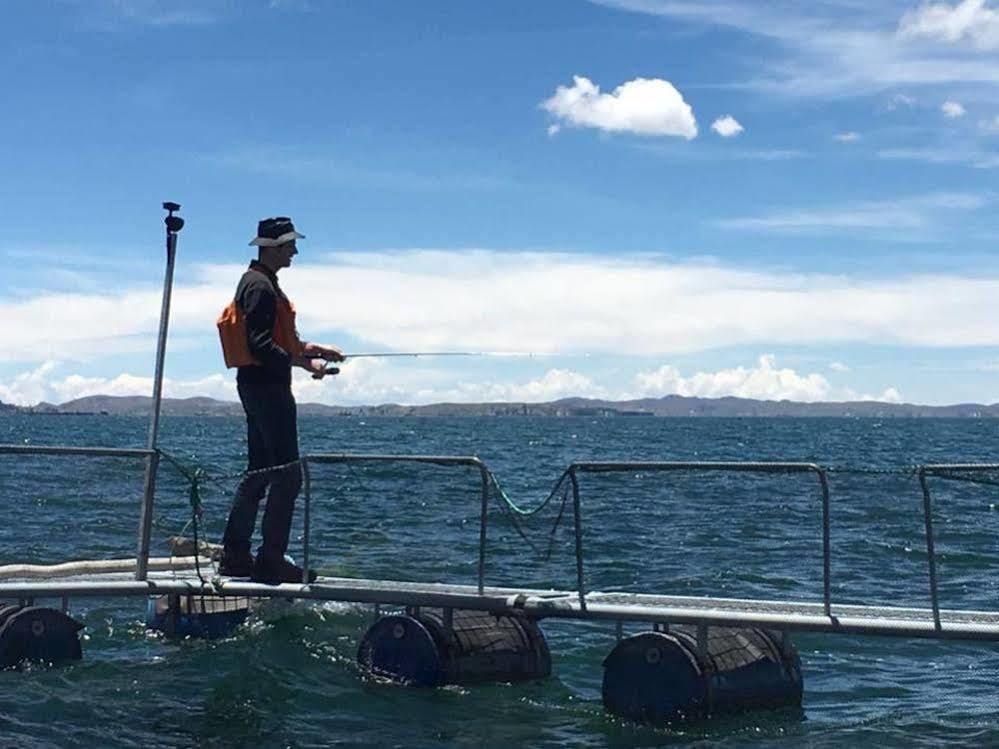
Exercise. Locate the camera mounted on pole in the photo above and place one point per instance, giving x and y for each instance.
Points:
(173, 223)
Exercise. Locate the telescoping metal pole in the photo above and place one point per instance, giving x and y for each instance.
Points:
(173, 225)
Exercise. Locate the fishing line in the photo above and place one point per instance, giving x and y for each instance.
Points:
(374, 354)
(418, 354)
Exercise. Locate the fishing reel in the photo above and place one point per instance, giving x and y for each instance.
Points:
(325, 372)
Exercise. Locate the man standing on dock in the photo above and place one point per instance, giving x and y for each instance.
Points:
(259, 337)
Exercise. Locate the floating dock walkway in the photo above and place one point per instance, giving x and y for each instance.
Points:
(541, 604)
(818, 616)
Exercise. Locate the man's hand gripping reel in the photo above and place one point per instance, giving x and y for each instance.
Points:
(327, 371)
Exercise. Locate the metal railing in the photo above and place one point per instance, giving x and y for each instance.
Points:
(667, 466)
(152, 459)
(574, 470)
(91, 452)
(442, 460)
(941, 470)
(593, 467)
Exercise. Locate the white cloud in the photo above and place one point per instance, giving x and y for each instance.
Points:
(771, 154)
(553, 129)
(890, 395)
(899, 101)
(47, 383)
(374, 381)
(837, 366)
(644, 106)
(727, 126)
(633, 304)
(110, 13)
(831, 48)
(361, 381)
(765, 381)
(370, 382)
(969, 21)
(483, 300)
(848, 137)
(903, 216)
(975, 158)
(952, 110)
(333, 168)
(990, 126)
(552, 385)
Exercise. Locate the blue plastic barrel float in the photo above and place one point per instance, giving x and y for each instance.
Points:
(662, 677)
(38, 634)
(199, 616)
(429, 648)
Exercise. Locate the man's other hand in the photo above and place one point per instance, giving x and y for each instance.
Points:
(332, 353)
(329, 353)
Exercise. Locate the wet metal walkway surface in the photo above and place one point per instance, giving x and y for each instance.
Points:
(801, 616)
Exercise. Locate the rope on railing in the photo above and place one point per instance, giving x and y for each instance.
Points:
(195, 476)
(517, 513)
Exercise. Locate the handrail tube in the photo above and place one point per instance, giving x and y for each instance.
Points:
(381, 458)
(931, 558)
(800, 622)
(826, 554)
(484, 473)
(674, 465)
(307, 486)
(934, 468)
(146, 517)
(94, 452)
(578, 520)
(728, 466)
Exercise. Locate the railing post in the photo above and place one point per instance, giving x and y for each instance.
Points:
(484, 518)
(580, 581)
(307, 486)
(826, 554)
(930, 552)
(173, 225)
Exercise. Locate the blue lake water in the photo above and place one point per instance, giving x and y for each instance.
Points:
(288, 677)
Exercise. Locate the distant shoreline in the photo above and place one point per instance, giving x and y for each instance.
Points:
(667, 406)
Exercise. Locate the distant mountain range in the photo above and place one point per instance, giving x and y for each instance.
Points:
(670, 405)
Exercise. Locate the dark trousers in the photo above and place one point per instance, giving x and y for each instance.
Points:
(272, 437)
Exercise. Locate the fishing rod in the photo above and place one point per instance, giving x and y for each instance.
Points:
(442, 353)
(386, 354)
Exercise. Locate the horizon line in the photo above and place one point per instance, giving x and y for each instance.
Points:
(523, 403)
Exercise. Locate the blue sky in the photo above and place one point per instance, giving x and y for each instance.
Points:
(711, 198)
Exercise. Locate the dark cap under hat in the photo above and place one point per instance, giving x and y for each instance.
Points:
(274, 231)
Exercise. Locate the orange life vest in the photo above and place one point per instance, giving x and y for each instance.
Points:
(232, 332)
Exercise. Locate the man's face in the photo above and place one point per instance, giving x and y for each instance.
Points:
(285, 252)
